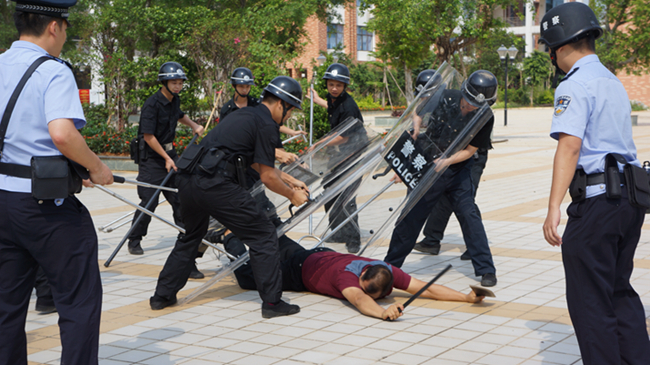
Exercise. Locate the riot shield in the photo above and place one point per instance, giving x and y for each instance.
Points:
(419, 148)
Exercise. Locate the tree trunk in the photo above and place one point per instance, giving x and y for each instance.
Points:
(383, 93)
(408, 85)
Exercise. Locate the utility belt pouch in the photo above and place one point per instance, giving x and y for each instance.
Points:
(578, 187)
(190, 157)
(134, 150)
(210, 160)
(240, 169)
(54, 177)
(638, 186)
(612, 178)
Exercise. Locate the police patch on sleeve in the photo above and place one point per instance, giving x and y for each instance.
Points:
(561, 104)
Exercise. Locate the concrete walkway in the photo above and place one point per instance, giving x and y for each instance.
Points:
(527, 323)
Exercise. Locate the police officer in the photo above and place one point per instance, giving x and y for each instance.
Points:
(455, 109)
(590, 121)
(340, 106)
(56, 234)
(246, 138)
(437, 222)
(242, 79)
(159, 117)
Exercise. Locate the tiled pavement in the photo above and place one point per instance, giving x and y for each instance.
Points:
(526, 324)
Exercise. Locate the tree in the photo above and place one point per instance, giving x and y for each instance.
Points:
(625, 43)
(8, 32)
(537, 70)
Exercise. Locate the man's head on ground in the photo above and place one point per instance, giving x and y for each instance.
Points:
(281, 96)
(44, 23)
(376, 281)
(569, 31)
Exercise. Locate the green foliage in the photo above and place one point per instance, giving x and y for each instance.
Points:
(545, 97)
(625, 44)
(638, 106)
(367, 103)
(537, 68)
(8, 32)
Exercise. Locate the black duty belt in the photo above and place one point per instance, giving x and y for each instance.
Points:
(599, 178)
(16, 170)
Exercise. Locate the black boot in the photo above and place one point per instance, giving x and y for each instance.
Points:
(428, 246)
(278, 309)
(195, 273)
(134, 247)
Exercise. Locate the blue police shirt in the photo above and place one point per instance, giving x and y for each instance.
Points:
(592, 104)
(51, 93)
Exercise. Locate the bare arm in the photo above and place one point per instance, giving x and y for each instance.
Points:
(564, 167)
(285, 157)
(72, 145)
(367, 306)
(439, 292)
(196, 128)
(286, 130)
(271, 177)
(317, 99)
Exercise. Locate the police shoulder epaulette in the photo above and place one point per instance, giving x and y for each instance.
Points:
(569, 74)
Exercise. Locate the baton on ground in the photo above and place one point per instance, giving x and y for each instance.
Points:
(152, 214)
(148, 206)
(108, 229)
(123, 180)
(416, 295)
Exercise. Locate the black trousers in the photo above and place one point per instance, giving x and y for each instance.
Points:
(62, 241)
(456, 183)
(337, 213)
(434, 230)
(152, 171)
(43, 290)
(598, 247)
(234, 207)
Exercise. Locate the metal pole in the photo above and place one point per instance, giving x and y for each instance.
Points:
(505, 107)
(137, 220)
(152, 214)
(311, 134)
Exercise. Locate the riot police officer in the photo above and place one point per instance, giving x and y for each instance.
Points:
(437, 222)
(592, 124)
(159, 117)
(41, 120)
(454, 110)
(244, 139)
(340, 106)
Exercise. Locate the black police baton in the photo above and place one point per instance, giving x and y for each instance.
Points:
(148, 206)
(416, 295)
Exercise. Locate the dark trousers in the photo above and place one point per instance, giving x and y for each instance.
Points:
(337, 213)
(234, 207)
(597, 251)
(152, 171)
(437, 222)
(62, 241)
(456, 183)
(43, 290)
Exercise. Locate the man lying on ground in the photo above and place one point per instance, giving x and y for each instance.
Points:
(357, 279)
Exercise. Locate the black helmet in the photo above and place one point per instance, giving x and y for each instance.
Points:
(480, 87)
(568, 23)
(242, 76)
(424, 77)
(171, 71)
(286, 89)
(338, 72)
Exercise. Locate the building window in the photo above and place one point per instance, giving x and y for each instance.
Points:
(334, 36)
(364, 39)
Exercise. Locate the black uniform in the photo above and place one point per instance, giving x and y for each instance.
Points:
(252, 134)
(159, 117)
(230, 106)
(446, 123)
(338, 110)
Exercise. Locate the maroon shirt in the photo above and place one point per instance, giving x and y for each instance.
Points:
(325, 273)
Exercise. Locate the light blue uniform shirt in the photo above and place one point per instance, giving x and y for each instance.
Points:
(51, 93)
(592, 104)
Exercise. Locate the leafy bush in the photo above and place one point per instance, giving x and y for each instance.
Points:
(637, 106)
(546, 97)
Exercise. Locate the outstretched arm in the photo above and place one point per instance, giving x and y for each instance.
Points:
(439, 292)
(366, 305)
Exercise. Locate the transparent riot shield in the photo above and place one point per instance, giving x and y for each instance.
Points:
(418, 150)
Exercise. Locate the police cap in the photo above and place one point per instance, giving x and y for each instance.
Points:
(242, 76)
(53, 8)
(171, 71)
(568, 23)
(287, 89)
(480, 87)
(424, 77)
(338, 72)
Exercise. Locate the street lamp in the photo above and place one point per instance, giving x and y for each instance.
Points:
(504, 55)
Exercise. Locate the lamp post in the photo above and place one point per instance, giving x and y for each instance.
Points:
(504, 55)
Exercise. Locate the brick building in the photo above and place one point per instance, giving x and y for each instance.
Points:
(348, 29)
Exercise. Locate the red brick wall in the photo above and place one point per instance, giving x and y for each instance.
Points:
(637, 87)
(316, 41)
